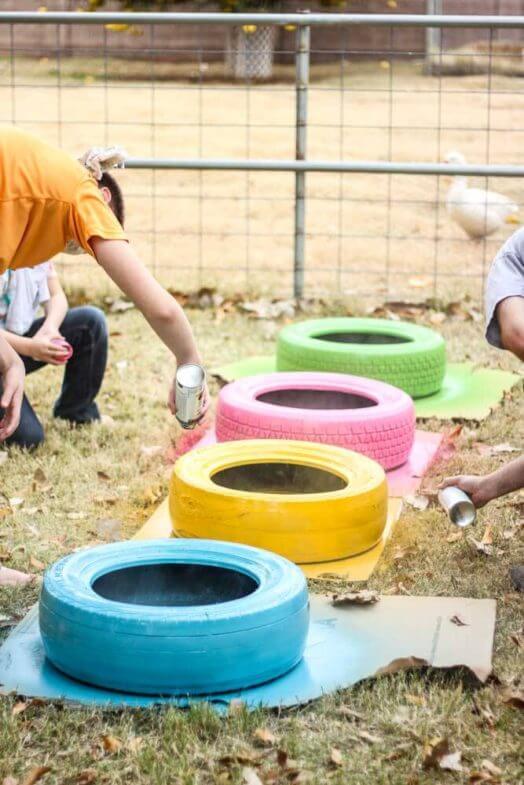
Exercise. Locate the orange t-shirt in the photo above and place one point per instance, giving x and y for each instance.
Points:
(46, 199)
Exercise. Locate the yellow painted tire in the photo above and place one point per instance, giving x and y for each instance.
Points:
(338, 507)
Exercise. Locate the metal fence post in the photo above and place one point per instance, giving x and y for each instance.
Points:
(433, 35)
(302, 81)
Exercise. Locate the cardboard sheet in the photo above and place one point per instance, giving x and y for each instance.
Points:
(357, 568)
(345, 645)
(401, 482)
(468, 392)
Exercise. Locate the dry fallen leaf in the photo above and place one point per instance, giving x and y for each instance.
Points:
(485, 548)
(399, 751)
(489, 450)
(513, 697)
(487, 537)
(250, 777)
(39, 476)
(354, 716)
(459, 621)
(415, 700)
(36, 563)
(35, 775)
(245, 758)
(335, 757)
(478, 777)
(437, 318)
(487, 717)
(402, 663)
(264, 736)
(418, 502)
(119, 306)
(285, 762)
(451, 762)
(364, 597)
(111, 744)
(435, 752)
(455, 537)
(86, 777)
(103, 476)
(365, 736)
(109, 529)
(19, 707)
(149, 452)
(401, 552)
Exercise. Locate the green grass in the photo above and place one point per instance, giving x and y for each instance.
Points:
(167, 746)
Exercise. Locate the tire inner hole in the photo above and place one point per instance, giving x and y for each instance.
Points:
(362, 337)
(278, 478)
(316, 399)
(174, 584)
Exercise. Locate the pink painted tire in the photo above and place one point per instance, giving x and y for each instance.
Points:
(370, 417)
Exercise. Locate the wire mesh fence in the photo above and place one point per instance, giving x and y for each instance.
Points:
(217, 103)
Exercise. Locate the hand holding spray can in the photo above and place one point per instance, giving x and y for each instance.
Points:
(190, 394)
(458, 505)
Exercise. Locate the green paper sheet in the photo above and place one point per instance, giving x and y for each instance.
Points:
(468, 392)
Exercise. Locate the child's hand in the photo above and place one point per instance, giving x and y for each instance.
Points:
(478, 489)
(49, 332)
(45, 351)
(11, 399)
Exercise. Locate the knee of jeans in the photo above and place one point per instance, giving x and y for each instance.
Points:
(28, 435)
(95, 319)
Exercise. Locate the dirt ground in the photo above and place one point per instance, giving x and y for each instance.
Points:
(370, 235)
(69, 488)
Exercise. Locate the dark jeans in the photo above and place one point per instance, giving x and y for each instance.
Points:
(85, 329)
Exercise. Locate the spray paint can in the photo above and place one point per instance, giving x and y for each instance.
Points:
(459, 507)
(190, 386)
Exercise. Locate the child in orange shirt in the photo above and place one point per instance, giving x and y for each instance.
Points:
(50, 203)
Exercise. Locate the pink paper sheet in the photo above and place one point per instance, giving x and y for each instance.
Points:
(403, 481)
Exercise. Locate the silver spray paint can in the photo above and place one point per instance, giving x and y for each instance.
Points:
(459, 507)
(190, 385)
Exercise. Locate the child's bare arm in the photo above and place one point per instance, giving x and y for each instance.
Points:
(55, 309)
(483, 489)
(163, 313)
(12, 376)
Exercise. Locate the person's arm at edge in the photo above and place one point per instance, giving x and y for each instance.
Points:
(12, 373)
(19, 343)
(484, 489)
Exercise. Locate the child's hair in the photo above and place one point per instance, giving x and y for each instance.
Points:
(117, 198)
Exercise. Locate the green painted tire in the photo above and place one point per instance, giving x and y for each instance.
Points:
(403, 354)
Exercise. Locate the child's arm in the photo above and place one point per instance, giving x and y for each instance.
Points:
(38, 348)
(484, 489)
(41, 347)
(55, 309)
(163, 313)
(12, 377)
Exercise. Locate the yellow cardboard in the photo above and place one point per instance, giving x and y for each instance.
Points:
(356, 568)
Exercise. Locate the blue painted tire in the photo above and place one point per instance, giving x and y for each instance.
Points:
(239, 616)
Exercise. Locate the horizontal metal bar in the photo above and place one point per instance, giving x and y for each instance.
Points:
(374, 20)
(371, 167)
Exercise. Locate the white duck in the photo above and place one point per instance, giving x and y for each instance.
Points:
(477, 211)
